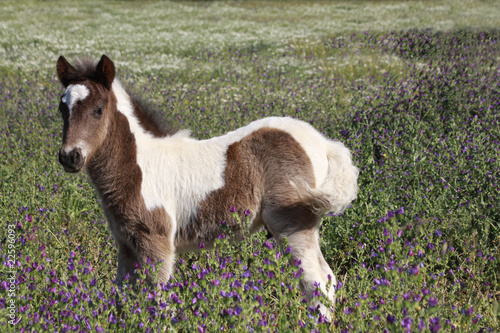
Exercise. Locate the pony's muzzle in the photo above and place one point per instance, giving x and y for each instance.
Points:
(72, 161)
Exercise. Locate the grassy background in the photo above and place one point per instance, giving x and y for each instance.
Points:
(410, 87)
(147, 36)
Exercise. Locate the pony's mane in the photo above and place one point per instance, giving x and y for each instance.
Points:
(149, 116)
(85, 68)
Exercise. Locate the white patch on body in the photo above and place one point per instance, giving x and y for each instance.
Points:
(179, 172)
(73, 94)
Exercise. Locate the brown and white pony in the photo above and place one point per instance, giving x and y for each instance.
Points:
(165, 192)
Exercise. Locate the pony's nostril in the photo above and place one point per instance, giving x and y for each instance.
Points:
(72, 161)
(75, 157)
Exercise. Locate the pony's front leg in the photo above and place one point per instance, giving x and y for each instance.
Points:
(158, 249)
(126, 265)
(153, 250)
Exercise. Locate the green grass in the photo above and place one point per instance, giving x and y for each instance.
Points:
(149, 36)
(410, 87)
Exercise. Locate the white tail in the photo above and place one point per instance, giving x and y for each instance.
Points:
(340, 186)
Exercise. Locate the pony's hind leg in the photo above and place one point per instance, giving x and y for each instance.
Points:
(300, 226)
(317, 274)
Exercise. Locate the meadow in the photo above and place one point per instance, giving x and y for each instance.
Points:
(411, 88)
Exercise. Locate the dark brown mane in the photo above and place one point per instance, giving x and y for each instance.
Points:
(150, 118)
(85, 70)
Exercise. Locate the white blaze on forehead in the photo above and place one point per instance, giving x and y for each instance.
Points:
(73, 94)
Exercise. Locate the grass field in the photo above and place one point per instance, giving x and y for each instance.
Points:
(412, 88)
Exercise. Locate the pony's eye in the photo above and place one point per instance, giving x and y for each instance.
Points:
(98, 112)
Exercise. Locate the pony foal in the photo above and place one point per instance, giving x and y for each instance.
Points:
(164, 192)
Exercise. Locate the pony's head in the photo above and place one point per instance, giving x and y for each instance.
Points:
(86, 107)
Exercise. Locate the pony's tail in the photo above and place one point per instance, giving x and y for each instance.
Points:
(340, 186)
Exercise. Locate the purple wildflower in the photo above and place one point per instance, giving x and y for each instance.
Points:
(469, 311)
(434, 325)
(406, 323)
(421, 324)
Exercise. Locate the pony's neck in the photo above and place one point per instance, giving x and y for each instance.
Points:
(113, 169)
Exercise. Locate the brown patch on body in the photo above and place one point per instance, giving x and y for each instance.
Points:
(258, 172)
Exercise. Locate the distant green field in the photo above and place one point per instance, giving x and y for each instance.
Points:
(145, 36)
(411, 88)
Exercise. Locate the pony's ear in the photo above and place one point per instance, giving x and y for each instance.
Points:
(106, 71)
(65, 72)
